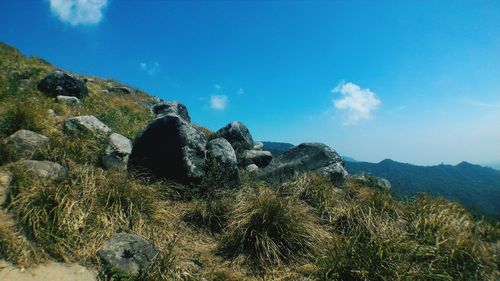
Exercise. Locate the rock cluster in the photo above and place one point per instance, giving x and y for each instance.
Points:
(60, 83)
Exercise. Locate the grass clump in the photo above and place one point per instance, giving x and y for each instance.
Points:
(211, 214)
(271, 230)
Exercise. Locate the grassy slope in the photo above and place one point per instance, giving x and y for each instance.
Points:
(305, 228)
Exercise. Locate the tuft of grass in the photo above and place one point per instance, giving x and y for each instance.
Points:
(211, 214)
(271, 230)
(29, 115)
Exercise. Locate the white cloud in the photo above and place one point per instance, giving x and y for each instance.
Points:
(240, 92)
(217, 87)
(151, 69)
(359, 103)
(79, 12)
(218, 102)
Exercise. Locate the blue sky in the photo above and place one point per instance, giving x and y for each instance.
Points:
(415, 81)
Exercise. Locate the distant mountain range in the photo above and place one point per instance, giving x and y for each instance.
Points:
(277, 148)
(476, 187)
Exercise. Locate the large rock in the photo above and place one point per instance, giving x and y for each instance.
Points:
(170, 148)
(45, 170)
(117, 153)
(303, 158)
(221, 155)
(371, 180)
(165, 108)
(127, 254)
(59, 83)
(260, 158)
(23, 143)
(258, 145)
(86, 124)
(238, 136)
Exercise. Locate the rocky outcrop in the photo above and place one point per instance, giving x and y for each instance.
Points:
(45, 170)
(59, 83)
(222, 162)
(371, 180)
(127, 254)
(258, 157)
(117, 153)
(165, 108)
(258, 145)
(170, 148)
(238, 135)
(252, 169)
(68, 100)
(86, 125)
(23, 143)
(303, 158)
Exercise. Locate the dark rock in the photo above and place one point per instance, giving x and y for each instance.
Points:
(68, 100)
(222, 154)
(59, 83)
(117, 153)
(258, 157)
(170, 148)
(303, 158)
(121, 90)
(237, 134)
(86, 124)
(23, 143)
(44, 170)
(165, 108)
(127, 254)
(371, 180)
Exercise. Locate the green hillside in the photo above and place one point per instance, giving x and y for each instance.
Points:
(305, 228)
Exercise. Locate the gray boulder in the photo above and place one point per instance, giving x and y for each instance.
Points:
(117, 152)
(258, 145)
(68, 100)
(121, 90)
(372, 180)
(238, 135)
(86, 124)
(165, 108)
(221, 154)
(252, 169)
(303, 158)
(59, 83)
(127, 254)
(260, 158)
(45, 170)
(23, 143)
(5, 179)
(170, 148)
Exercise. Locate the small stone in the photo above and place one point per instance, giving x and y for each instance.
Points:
(68, 100)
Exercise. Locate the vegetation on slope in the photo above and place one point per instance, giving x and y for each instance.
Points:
(304, 228)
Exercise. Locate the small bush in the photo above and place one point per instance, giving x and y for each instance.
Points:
(271, 230)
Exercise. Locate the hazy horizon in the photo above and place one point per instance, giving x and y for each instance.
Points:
(410, 81)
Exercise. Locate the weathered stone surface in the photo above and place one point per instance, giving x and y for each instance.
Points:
(258, 157)
(221, 155)
(117, 153)
(44, 170)
(238, 135)
(127, 253)
(68, 100)
(122, 90)
(86, 124)
(252, 168)
(23, 143)
(257, 145)
(170, 148)
(165, 108)
(59, 83)
(302, 158)
(372, 180)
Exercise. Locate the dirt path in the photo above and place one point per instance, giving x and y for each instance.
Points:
(46, 272)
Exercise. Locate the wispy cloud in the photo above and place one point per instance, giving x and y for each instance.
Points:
(240, 92)
(359, 103)
(218, 102)
(150, 68)
(79, 12)
(217, 87)
(479, 103)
